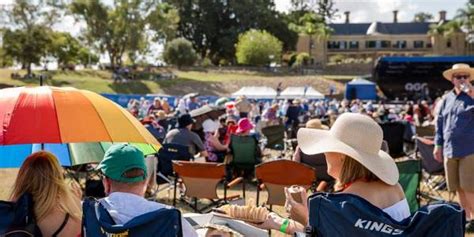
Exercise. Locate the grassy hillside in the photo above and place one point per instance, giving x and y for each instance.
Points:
(207, 83)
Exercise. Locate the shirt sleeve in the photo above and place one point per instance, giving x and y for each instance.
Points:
(439, 141)
(197, 141)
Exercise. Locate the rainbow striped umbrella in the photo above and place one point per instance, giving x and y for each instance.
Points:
(46, 114)
(71, 154)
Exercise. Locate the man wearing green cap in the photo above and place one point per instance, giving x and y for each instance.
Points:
(125, 181)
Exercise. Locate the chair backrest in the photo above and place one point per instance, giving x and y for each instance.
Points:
(244, 151)
(410, 176)
(200, 179)
(97, 222)
(17, 218)
(277, 174)
(168, 153)
(425, 149)
(342, 214)
(275, 135)
(424, 131)
(393, 133)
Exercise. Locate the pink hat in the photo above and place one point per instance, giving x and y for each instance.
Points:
(244, 125)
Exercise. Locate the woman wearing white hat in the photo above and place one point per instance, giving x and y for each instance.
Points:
(352, 150)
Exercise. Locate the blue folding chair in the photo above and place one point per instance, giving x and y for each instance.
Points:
(97, 222)
(342, 214)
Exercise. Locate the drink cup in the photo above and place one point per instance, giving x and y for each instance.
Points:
(295, 192)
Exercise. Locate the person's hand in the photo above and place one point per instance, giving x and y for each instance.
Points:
(273, 222)
(297, 211)
(438, 154)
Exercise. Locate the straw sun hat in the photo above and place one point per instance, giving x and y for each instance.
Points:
(458, 68)
(354, 135)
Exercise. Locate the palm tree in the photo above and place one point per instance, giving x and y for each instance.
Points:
(466, 16)
(312, 24)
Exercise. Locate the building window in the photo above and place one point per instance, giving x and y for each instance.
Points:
(337, 45)
(385, 44)
(354, 44)
(417, 44)
(448, 44)
(400, 44)
(371, 44)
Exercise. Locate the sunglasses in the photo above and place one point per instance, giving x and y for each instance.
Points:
(462, 77)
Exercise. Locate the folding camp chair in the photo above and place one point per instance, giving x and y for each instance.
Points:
(344, 214)
(200, 180)
(97, 222)
(393, 133)
(274, 176)
(410, 176)
(166, 155)
(433, 179)
(275, 138)
(244, 158)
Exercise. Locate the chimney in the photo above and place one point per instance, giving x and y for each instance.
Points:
(347, 13)
(395, 16)
(442, 15)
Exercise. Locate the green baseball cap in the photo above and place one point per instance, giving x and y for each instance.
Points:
(120, 158)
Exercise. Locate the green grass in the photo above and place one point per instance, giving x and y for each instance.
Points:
(205, 82)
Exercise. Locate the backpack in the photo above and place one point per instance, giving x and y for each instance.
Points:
(17, 218)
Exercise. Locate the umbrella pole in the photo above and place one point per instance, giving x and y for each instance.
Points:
(42, 146)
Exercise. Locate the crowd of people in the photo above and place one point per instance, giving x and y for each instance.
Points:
(334, 137)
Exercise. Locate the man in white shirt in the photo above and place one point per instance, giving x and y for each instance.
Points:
(125, 184)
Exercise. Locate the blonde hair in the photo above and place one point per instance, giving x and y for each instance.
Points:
(42, 177)
(352, 170)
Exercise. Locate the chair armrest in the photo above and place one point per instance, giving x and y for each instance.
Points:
(234, 182)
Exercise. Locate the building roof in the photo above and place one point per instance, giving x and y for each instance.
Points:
(402, 28)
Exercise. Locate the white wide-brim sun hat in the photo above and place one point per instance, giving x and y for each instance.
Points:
(459, 68)
(354, 135)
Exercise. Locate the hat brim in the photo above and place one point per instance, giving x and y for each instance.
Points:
(448, 74)
(315, 141)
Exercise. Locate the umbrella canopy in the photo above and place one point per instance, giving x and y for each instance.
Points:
(71, 154)
(65, 115)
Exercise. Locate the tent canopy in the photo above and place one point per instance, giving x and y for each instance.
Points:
(360, 88)
(301, 92)
(256, 92)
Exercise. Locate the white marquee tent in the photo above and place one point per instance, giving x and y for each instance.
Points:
(301, 92)
(256, 92)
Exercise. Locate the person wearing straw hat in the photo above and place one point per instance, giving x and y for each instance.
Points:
(352, 150)
(454, 137)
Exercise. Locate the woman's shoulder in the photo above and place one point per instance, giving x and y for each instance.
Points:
(57, 218)
(378, 193)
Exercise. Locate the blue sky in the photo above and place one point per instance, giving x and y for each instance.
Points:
(381, 10)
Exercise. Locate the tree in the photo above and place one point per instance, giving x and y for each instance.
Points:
(164, 21)
(466, 18)
(180, 52)
(26, 47)
(258, 48)
(214, 26)
(422, 17)
(27, 36)
(312, 25)
(325, 8)
(86, 57)
(5, 60)
(65, 49)
(121, 27)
